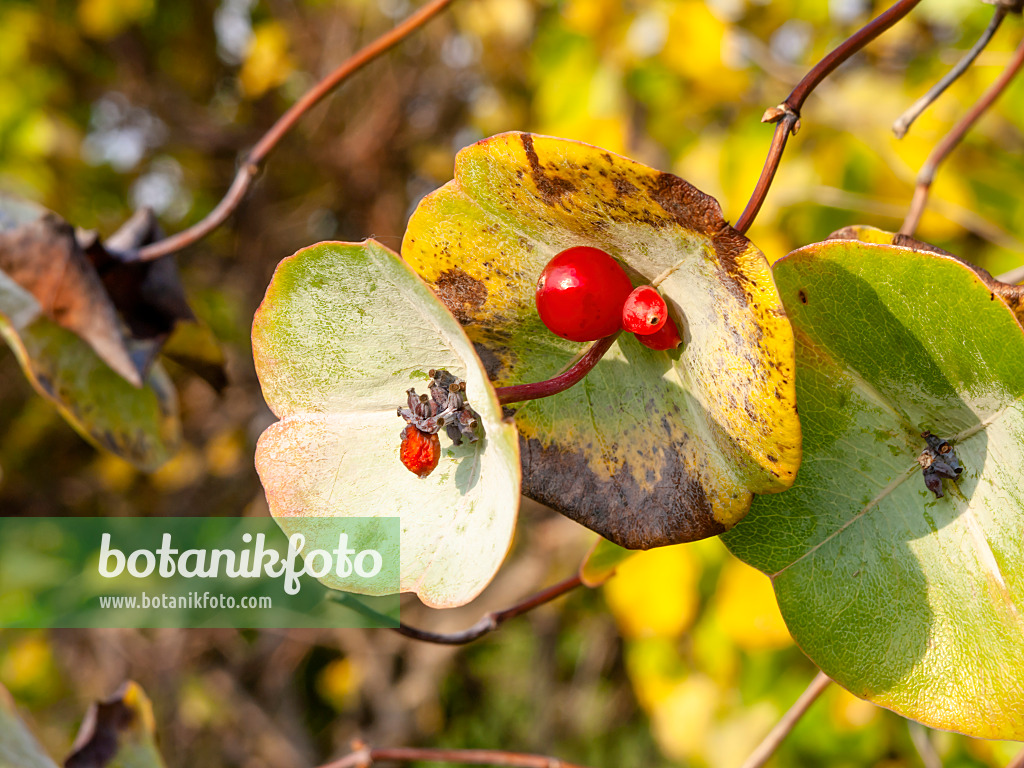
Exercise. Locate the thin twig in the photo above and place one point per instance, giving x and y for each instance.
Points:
(365, 757)
(787, 114)
(789, 720)
(249, 167)
(902, 125)
(923, 744)
(1015, 275)
(493, 620)
(573, 375)
(953, 138)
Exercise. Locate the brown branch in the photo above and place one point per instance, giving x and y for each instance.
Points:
(902, 125)
(493, 620)
(783, 130)
(364, 757)
(771, 742)
(573, 375)
(787, 114)
(943, 149)
(311, 98)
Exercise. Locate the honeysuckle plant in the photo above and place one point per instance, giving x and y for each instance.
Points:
(849, 420)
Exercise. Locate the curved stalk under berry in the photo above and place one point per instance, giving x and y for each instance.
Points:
(571, 376)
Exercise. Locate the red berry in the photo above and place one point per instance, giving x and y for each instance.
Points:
(644, 312)
(420, 451)
(666, 338)
(580, 294)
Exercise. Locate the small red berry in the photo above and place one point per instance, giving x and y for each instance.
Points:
(666, 338)
(644, 312)
(580, 294)
(420, 451)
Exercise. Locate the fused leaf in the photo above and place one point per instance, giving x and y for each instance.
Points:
(343, 332)
(911, 601)
(651, 448)
(118, 732)
(18, 747)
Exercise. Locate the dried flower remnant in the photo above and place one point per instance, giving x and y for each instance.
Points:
(446, 406)
(937, 461)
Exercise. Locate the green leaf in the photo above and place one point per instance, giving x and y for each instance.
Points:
(651, 448)
(138, 424)
(118, 732)
(18, 747)
(344, 330)
(911, 601)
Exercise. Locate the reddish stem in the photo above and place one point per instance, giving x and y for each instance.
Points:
(313, 96)
(365, 757)
(493, 620)
(943, 149)
(788, 112)
(520, 392)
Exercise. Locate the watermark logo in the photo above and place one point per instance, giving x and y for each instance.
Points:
(209, 572)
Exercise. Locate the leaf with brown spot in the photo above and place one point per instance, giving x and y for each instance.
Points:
(117, 732)
(138, 423)
(652, 448)
(40, 253)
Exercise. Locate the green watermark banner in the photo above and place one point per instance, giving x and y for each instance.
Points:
(241, 572)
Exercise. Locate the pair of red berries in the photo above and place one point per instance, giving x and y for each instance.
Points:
(584, 295)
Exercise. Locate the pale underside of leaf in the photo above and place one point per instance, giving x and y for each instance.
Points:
(910, 601)
(18, 747)
(343, 332)
(651, 448)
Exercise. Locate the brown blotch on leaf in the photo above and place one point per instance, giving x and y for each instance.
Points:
(624, 187)
(98, 739)
(676, 510)
(551, 187)
(491, 361)
(462, 294)
(802, 295)
(694, 210)
(44, 257)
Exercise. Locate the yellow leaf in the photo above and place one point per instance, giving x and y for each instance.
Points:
(338, 682)
(747, 610)
(654, 593)
(849, 713)
(682, 721)
(267, 63)
(105, 19)
(694, 51)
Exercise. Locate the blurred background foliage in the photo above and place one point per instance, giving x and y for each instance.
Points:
(682, 659)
